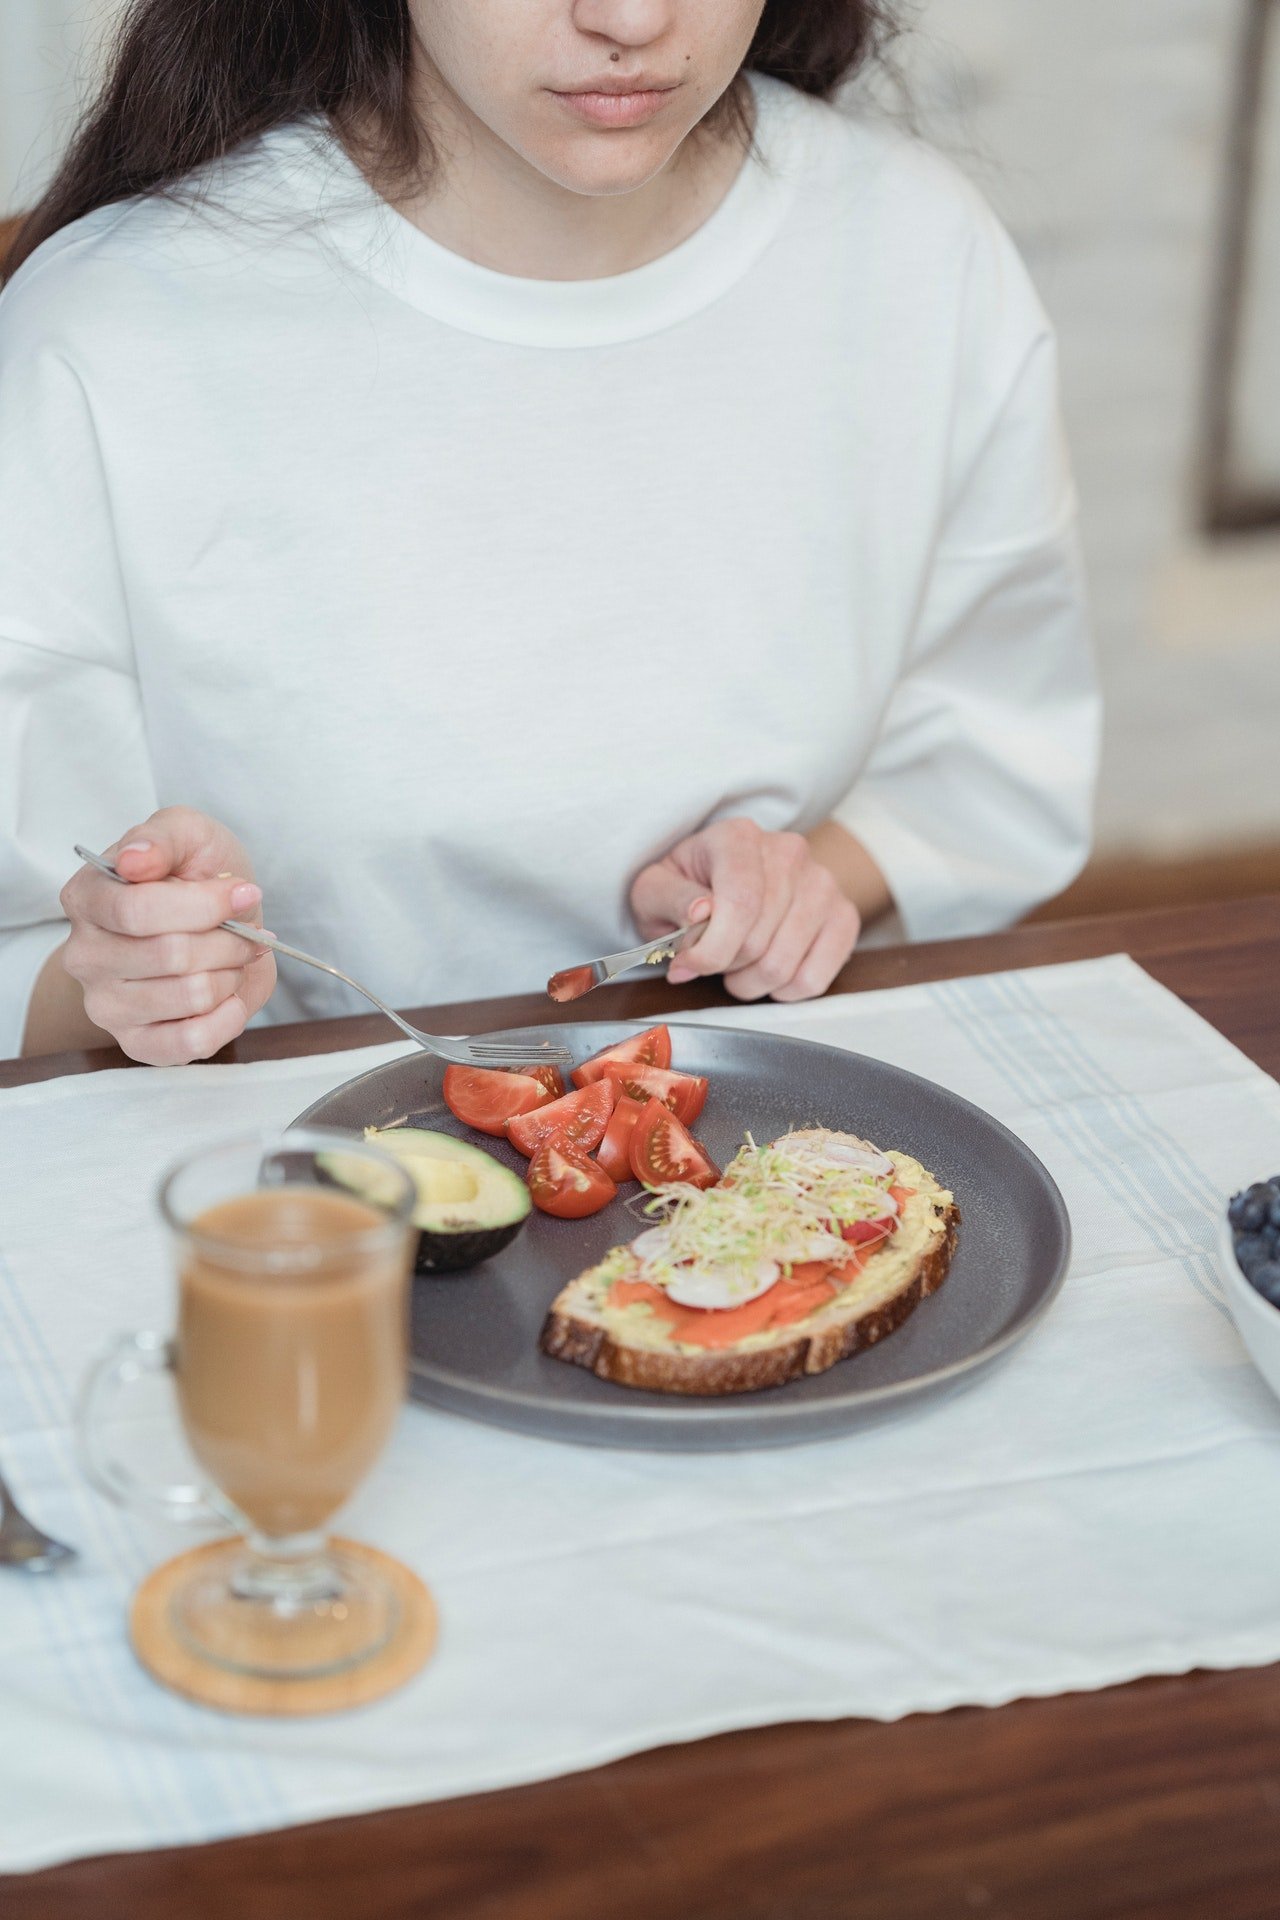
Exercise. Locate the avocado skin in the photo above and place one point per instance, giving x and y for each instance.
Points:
(441, 1253)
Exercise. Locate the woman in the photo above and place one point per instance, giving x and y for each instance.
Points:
(480, 477)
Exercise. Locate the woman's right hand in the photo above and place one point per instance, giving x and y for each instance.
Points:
(158, 973)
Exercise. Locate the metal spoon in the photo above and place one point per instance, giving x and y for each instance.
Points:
(23, 1545)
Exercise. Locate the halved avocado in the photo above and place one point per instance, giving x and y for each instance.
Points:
(469, 1205)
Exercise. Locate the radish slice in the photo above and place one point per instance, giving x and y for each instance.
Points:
(652, 1245)
(832, 1151)
(722, 1286)
(705, 1286)
(844, 1154)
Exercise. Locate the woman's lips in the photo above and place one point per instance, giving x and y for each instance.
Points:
(616, 109)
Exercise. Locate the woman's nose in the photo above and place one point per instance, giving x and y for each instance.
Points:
(630, 23)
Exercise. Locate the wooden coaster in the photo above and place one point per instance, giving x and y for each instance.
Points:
(168, 1660)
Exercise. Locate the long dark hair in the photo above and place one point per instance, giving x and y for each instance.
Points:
(192, 79)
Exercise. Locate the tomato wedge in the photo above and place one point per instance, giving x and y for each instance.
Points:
(581, 1117)
(663, 1152)
(652, 1048)
(551, 1078)
(487, 1097)
(684, 1093)
(564, 1182)
(615, 1149)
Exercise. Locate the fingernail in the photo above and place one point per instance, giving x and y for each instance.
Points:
(245, 895)
(677, 975)
(700, 910)
(137, 846)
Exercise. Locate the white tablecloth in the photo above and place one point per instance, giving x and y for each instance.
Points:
(1100, 1506)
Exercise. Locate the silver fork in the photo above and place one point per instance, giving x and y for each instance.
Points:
(462, 1053)
(22, 1544)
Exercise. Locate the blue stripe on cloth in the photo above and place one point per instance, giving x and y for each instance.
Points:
(1124, 1152)
(1185, 1201)
(204, 1792)
(61, 1612)
(1167, 1147)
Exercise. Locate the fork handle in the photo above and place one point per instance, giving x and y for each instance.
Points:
(261, 939)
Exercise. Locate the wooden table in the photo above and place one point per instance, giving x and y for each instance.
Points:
(1156, 1801)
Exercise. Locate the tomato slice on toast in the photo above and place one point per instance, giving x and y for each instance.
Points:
(781, 1306)
(664, 1152)
(862, 1233)
(581, 1117)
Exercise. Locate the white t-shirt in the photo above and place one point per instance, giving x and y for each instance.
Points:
(459, 597)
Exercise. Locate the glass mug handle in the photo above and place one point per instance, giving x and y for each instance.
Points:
(130, 1359)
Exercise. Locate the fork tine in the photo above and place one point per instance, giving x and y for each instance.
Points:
(515, 1057)
(530, 1048)
(519, 1052)
(463, 1054)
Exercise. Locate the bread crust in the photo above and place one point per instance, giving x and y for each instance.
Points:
(567, 1335)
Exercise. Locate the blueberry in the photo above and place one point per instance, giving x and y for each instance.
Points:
(1248, 1214)
(1273, 1211)
(1251, 1252)
(1266, 1279)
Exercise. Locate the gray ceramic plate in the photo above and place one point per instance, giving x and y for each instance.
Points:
(475, 1335)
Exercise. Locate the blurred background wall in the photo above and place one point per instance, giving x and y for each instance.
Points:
(46, 50)
(1133, 147)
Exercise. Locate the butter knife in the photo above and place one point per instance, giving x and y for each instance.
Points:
(572, 982)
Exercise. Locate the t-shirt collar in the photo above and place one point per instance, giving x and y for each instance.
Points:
(388, 248)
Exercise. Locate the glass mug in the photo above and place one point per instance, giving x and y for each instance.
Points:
(293, 1254)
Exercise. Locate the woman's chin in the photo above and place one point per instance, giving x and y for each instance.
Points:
(600, 164)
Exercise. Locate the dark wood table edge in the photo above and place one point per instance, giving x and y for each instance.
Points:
(1155, 938)
(1197, 1755)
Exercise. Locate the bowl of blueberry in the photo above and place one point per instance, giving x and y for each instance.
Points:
(1251, 1268)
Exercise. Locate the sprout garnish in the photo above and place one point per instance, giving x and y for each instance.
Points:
(771, 1205)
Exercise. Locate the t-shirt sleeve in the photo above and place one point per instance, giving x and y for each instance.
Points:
(73, 751)
(977, 798)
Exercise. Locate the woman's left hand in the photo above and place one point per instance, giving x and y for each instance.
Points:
(777, 922)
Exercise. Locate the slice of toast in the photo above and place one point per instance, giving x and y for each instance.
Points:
(634, 1347)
